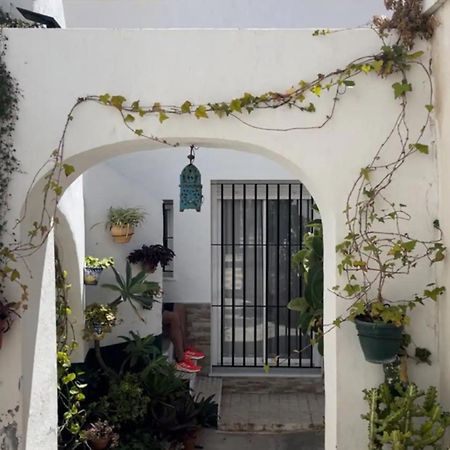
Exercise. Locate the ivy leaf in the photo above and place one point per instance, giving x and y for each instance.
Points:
(317, 89)
(422, 148)
(118, 101)
(104, 98)
(139, 132)
(401, 89)
(429, 108)
(200, 112)
(349, 83)
(186, 107)
(235, 105)
(415, 55)
(129, 118)
(162, 116)
(68, 169)
(377, 65)
(366, 68)
(15, 275)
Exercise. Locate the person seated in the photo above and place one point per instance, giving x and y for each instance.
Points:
(174, 318)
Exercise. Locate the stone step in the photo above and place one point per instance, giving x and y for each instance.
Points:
(206, 386)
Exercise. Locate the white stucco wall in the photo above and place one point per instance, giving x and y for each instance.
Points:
(219, 13)
(70, 240)
(441, 69)
(171, 67)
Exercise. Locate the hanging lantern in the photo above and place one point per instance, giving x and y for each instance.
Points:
(191, 185)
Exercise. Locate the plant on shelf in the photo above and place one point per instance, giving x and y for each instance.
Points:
(7, 314)
(149, 256)
(402, 417)
(122, 221)
(93, 267)
(101, 435)
(99, 320)
(134, 289)
(309, 261)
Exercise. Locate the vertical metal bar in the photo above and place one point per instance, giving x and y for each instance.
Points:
(244, 242)
(267, 278)
(289, 271)
(222, 274)
(255, 303)
(300, 243)
(311, 336)
(233, 274)
(278, 275)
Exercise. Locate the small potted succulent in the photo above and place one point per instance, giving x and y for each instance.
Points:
(149, 256)
(101, 435)
(93, 267)
(122, 221)
(6, 318)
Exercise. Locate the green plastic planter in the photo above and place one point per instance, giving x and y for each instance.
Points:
(380, 342)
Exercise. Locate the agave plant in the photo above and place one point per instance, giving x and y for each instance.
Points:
(134, 289)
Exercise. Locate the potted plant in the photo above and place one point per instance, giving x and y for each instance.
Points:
(375, 253)
(101, 435)
(93, 267)
(122, 221)
(99, 320)
(149, 256)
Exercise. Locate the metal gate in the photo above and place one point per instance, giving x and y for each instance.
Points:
(256, 228)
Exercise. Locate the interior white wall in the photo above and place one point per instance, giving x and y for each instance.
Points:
(326, 160)
(145, 179)
(220, 14)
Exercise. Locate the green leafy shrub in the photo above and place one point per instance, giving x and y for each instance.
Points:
(100, 263)
(122, 217)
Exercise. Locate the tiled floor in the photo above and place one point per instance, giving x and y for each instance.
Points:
(218, 440)
(271, 412)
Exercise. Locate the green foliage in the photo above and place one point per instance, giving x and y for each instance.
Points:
(403, 417)
(149, 256)
(99, 320)
(309, 260)
(125, 403)
(100, 263)
(123, 217)
(139, 351)
(134, 289)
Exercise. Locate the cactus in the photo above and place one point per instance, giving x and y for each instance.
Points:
(402, 417)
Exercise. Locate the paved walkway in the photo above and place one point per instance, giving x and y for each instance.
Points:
(271, 412)
(218, 440)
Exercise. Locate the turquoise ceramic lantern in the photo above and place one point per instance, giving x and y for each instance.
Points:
(191, 186)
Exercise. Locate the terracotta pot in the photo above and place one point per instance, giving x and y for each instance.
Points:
(100, 443)
(122, 235)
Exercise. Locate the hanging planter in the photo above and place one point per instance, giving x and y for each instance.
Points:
(94, 268)
(380, 342)
(149, 256)
(122, 221)
(122, 235)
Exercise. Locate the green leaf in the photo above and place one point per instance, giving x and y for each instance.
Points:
(402, 88)
(162, 116)
(186, 107)
(316, 90)
(129, 118)
(139, 132)
(15, 275)
(429, 108)
(377, 65)
(200, 112)
(266, 368)
(235, 105)
(349, 83)
(422, 148)
(104, 98)
(118, 101)
(415, 55)
(68, 169)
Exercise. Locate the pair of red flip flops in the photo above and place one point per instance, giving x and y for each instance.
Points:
(187, 364)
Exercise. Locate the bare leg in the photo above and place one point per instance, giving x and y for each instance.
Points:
(180, 311)
(172, 319)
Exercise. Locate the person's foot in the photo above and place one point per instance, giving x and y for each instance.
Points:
(193, 353)
(186, 365)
